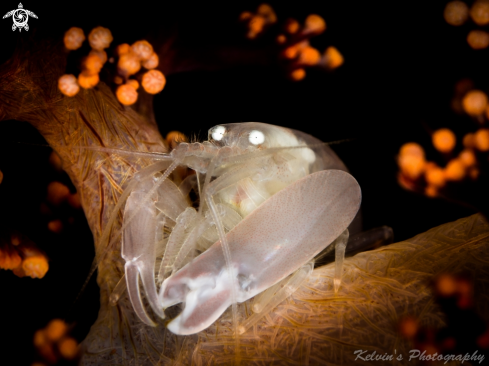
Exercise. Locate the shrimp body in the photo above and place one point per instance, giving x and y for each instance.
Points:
(271, 198)
(271, 173)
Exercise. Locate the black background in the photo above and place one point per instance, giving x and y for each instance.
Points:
(401, 63)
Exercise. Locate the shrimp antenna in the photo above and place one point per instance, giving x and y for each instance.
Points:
(337, 142)
(152, 155)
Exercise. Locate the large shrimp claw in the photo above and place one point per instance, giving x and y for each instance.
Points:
(277, 238)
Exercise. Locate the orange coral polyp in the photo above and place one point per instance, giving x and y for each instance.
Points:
(127, 94)
(68, 348)
(134, 83)
(68, 85)
(74, 38)
(9, 258)
(412, 166)
(481, 140)
(173, 138)
(35, 266)
(40, 338)
(92, 64)
(100, 38)
(56, 226)
(267, 12)
(88, 81)
(298, 74)
(314, 24)
(444, 140)
(446, 285)
(456, 13)
(435, 177)
(431, 191)
(291, 52)
(152, 62)
(122, 49)
(479, 12)
(102, 55)
(478, 39)
(55, 330)
(408, 327)
(143, 49)
(474, 102)
(245, 15)
(412, 148)
(333, 57)
(292, 26)
(281, 39)
(467, 157)
(129, 64)
(455, 170)
(256, 25)
(309, 56)
(57, 193)
(153, 81)
(74, 200)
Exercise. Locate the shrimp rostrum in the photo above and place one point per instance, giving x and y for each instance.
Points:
(269, 200)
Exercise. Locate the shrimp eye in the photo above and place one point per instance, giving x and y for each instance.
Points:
(256, 137)
(218, 133)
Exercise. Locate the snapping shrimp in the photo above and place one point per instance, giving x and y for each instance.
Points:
(276, 196)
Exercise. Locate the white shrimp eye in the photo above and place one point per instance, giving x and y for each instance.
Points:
(218, 133)
(308, 155)
(256, 137)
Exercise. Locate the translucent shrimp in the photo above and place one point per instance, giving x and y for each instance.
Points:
(241, 168)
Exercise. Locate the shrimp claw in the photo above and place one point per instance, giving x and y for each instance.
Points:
(138, 249)
(273, 241)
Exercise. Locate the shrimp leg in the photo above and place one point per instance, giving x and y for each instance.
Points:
(276, 294)
(340, 247)
(190, 227)
(209, 190)
(185, 223)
